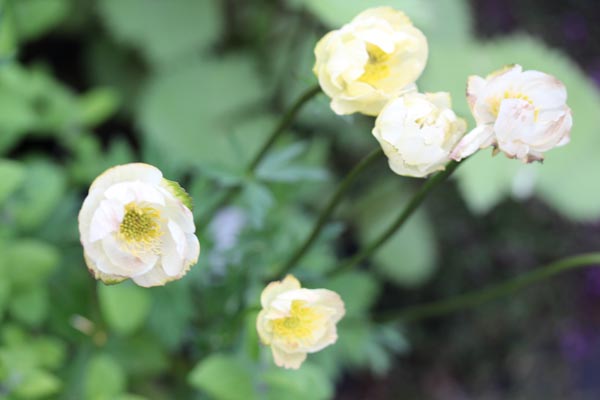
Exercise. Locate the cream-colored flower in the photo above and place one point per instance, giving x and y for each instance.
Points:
(136, 224)
(296, 321)
(417, 132)
(521, 113)
(376, 57)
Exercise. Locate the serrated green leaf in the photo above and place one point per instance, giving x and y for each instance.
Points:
(223, 377)
(125, 306)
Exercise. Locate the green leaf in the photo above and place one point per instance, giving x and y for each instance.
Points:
(445, 20)
(30, 306)
(39, 195)
(172, 311)
(12, 174)
(8, 38)
(98, 105)
(165, 31)
(36, 17)
(125, 307)
(223, 377)
(105, 379)
(31, 261)
(259, 200)
(359, 291)
(192, 114)
(308, 382)
(37, 384)
(408, 258)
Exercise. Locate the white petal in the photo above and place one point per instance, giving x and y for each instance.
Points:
(127, 192)
(478, 138)
(172, 262)
(125, 173)
(124, 263)
(155, 277)
(273, 289)
(106, 219)
(287, 360)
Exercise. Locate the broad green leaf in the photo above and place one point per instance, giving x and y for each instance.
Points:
(105, 378)
(408, 258)
(36, 17)
(8, 37)
(125, 307)
(37, 384)
(438, 19)
(223, 377)
(359, 291)
(195, 114)
(308, 382)
(12, 174)
(165, 31)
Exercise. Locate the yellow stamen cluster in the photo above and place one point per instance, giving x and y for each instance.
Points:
(376, 68)
(140, 228)
(509, 94)
(301, 323)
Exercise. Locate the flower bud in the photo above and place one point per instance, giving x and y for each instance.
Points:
(376, 57)
(417, 132)
(521, 113)
(136, 224)
(296, 321)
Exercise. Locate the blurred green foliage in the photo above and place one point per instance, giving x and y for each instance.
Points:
(194, 87)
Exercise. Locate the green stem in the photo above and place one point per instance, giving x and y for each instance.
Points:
(326, 213)
(474, 298)
(284, 123)
(413, 204)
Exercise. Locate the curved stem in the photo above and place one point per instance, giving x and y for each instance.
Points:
(284, 123)
(474, 298)
(326, 213)
(410, 208)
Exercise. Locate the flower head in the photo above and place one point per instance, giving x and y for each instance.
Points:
(417, 132)
(296, 321)
(521, 113)
(136, 224)
(376, 57)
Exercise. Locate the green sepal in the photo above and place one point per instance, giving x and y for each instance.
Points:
(179, 192)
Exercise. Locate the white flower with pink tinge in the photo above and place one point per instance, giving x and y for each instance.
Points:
(521, 113)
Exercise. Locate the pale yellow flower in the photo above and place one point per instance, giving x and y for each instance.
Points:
(376, 57)
(136, 224)
(521, 113)
(296, 321)
(417, 132)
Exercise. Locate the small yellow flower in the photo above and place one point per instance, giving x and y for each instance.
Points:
(521, 113)
(296, 321)
(136, 224)
(417, 132)
(376, 57)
